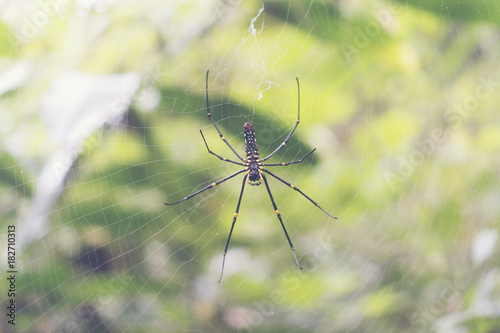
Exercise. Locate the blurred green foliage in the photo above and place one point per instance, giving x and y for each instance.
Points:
(400, 99)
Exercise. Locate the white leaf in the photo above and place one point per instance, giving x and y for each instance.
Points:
(484, 245)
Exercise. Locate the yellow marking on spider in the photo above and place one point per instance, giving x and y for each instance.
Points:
(213, 184)
(223, 138)
(208, 113)
(282, 163)
(284, 144)
(277, 212)
(292, 186)
(235, 215)
(224, 159)
(246, 168)
(261, 167)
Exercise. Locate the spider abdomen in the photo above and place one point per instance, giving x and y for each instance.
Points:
(252, 153)
(251, 149)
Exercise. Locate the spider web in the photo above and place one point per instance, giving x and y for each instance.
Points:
(102, 104)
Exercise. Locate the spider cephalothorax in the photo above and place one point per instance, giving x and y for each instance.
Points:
(254, 171)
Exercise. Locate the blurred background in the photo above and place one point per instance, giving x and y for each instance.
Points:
(101, 103)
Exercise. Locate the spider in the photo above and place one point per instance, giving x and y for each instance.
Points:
(254, 171)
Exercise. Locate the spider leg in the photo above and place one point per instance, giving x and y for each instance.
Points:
(291, 132)
(296, 189)
(213, 122)
(220, 157)
(288, 163)
(281, 221)
(206, 188)
(232, 226)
